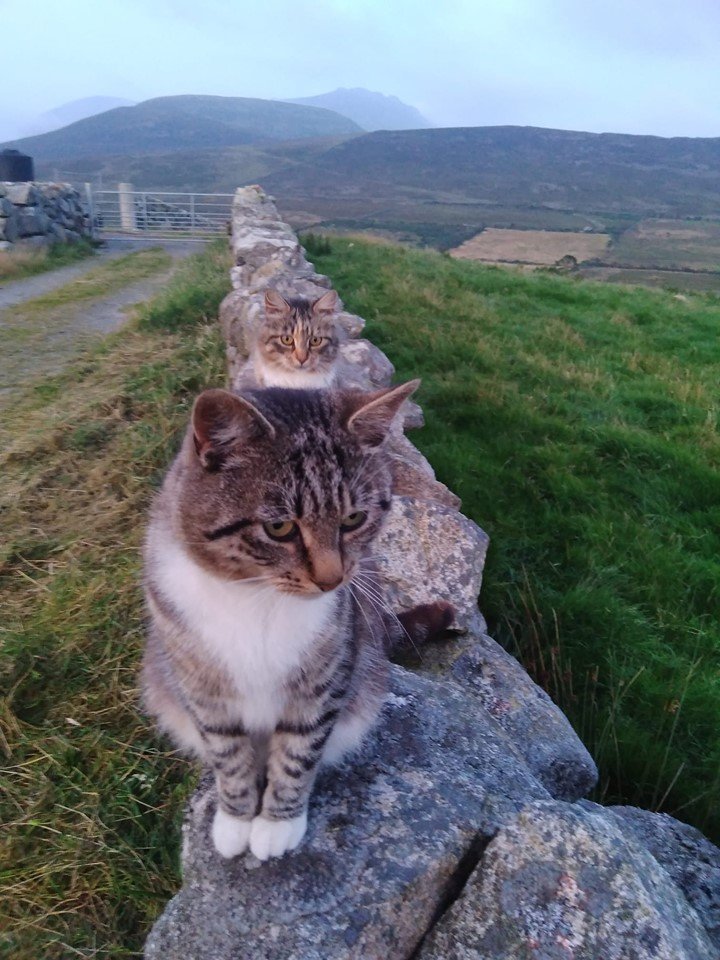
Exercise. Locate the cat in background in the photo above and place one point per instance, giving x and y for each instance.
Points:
(267, 649)
(297, 343)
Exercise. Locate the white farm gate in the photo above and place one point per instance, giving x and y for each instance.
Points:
(131, 213)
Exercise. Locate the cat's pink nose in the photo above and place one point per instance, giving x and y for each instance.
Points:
(327, 585)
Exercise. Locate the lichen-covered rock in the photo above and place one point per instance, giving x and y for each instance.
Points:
(388, 833)
(691, 861)
(560, 882)
(540, 730)
(428, 551)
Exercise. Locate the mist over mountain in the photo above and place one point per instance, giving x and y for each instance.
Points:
(167, 124)
(71, 112)
(370, 110)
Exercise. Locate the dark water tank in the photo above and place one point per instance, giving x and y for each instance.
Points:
(16, 167)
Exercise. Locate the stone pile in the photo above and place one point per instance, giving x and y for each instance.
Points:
(39, 214)
(458, 831)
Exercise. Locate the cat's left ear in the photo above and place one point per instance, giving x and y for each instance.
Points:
(222, 422)
(372, 414)
(327, 303)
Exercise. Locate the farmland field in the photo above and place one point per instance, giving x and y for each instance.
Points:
(543, 247)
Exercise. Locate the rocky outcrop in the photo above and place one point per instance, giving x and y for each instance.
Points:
(559, 882)
(459, 830)
(39, 214)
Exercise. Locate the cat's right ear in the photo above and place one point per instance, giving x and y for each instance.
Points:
(222, 422)
(372, 414)
(274, 303)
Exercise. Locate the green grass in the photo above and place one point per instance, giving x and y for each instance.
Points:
(26, 262)
(90, 800)
(579, 423)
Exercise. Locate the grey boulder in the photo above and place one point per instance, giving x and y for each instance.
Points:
(392, 835)
(565, 883)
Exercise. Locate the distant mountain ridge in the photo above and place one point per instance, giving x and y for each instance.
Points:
(372, 111)
(71, 112)
(167, 124)
(531, 166)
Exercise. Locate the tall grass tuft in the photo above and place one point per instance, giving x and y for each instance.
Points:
(27, 261)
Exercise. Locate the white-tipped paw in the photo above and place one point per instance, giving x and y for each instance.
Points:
(230, 834)
(273, 838)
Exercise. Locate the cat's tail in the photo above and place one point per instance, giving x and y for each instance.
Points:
(419, 625)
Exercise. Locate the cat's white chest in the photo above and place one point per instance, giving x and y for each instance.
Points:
(294, 379)
(256, 633)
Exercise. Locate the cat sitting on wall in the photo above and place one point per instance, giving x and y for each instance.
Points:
(297, 343)
(268, 642)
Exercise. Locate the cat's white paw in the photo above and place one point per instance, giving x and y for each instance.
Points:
(273, 838)
(230, 834)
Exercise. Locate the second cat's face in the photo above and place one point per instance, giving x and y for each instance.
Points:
(298, 335)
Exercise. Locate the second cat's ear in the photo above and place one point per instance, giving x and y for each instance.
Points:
(275, 303)
(222, 422)
(327, 303)
(373, 413)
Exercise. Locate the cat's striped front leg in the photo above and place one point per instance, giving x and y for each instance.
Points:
(231, 753)
(293, 759)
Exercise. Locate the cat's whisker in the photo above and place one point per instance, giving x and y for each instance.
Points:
(373, 594)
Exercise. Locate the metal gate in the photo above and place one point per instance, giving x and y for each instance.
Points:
(127, 212)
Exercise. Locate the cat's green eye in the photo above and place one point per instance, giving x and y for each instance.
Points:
(316, 341)
(286, 340)
(353, 520)
(281, 529)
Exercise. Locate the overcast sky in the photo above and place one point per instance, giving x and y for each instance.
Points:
(633, 66)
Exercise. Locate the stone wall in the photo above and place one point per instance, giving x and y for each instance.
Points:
(459, 831)
(39, 214)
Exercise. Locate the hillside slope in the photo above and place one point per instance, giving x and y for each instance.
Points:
(557, 169)
(167, 124)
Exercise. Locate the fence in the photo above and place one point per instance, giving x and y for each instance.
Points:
(127, 211)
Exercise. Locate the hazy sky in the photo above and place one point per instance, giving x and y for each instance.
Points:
(635, 66)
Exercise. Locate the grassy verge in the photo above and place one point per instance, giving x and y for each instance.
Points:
(578, 422)
(26, 262)
(89, 801)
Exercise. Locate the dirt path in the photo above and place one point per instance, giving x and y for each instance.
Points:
(47, 324)
(14, 292)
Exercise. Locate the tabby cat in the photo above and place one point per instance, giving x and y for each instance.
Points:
(267, 651)
(297, 342)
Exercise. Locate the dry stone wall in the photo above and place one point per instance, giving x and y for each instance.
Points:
(458, 831)
(39, 214)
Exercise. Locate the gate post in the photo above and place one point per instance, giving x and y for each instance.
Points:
(127, 207)
(91, 211)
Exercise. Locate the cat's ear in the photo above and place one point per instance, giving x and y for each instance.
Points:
(327, 303)
(222, 422)
(373, 413)
(275, 303)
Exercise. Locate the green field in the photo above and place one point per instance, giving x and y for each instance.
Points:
(579, 423)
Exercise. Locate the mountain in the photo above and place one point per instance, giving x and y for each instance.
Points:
(167, 124)
(371, 111)
(71, 112)
(518, 166)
